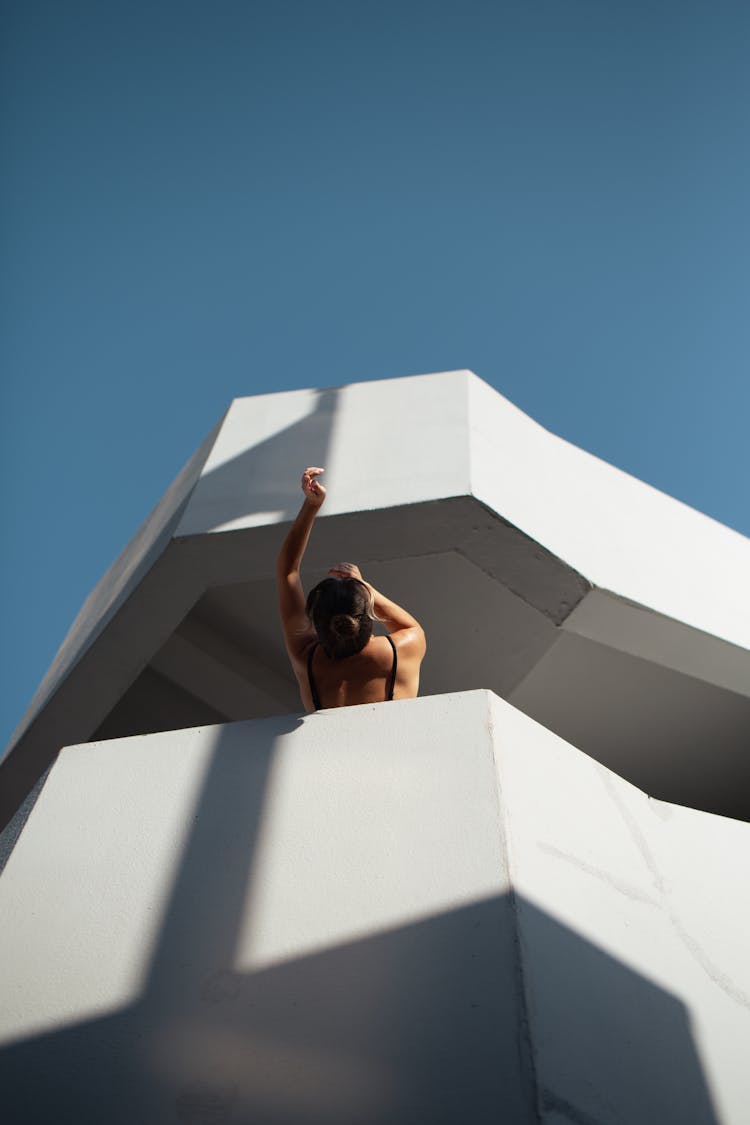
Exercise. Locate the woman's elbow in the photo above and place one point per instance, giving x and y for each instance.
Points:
(285, 568)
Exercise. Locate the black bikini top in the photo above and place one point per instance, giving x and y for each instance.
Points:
(314, 690)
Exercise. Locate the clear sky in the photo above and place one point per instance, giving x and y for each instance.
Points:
(206, 200)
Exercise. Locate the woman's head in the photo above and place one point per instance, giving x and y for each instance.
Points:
(341, 609)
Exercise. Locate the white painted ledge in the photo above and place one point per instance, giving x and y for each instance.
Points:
(432, 910)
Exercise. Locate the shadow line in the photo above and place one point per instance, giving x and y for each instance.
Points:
(435, 1021)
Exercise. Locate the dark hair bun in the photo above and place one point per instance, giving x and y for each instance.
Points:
(341, 611)
(344, 625)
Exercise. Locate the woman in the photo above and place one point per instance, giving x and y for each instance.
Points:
(335, 656)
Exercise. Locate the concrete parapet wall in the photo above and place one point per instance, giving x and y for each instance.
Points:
(431, 911)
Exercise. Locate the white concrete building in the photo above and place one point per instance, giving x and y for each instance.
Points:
(453, 909)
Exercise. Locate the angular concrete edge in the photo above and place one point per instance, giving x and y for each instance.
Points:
(251, 477)
(451, 434)
(624, 535)
(425, 906)
(120, 580)
(303, 918)
(607, 619)
(656, 889)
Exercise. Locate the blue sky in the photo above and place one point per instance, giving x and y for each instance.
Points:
(206, 200)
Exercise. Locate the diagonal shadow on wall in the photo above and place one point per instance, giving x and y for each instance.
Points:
(423, 1022)
(265, 477)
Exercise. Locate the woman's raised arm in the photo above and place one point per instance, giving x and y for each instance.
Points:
(298, 631)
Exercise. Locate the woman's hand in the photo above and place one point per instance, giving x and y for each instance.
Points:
(312, 488)
(346, 570)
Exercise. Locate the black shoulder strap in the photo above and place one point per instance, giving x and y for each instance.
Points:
(313, 688)
(394, 666)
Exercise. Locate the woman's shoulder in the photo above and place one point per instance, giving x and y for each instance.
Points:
(379, 649)
(410, 641)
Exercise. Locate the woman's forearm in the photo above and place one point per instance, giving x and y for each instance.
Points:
(392, 615)
(293, 547)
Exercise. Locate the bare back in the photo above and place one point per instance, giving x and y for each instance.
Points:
(362, 678)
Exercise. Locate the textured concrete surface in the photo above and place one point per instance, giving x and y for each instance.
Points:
(290, 920)
(656, 896)
(431, 910)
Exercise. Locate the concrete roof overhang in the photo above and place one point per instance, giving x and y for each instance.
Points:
(604, 609)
